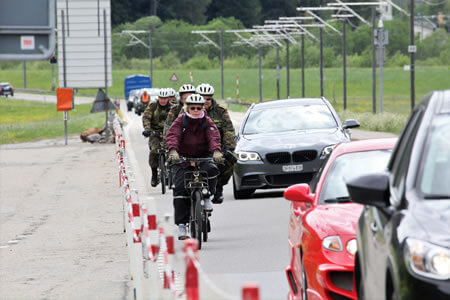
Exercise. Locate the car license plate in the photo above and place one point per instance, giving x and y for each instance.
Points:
(293, 168)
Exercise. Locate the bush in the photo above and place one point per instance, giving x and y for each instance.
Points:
(240, 62)
(384, 122)
(398, 60)
(201, 62)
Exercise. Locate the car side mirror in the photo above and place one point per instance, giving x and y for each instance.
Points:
(351, 124)
(372, 189)
(299, 193)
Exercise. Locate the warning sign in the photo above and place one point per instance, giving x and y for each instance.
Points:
(174, 77)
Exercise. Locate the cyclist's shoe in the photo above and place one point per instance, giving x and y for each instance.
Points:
(208, 225)
(154, 181)
(154, 177)
(218, 196)
(208, 205)
(182, 232)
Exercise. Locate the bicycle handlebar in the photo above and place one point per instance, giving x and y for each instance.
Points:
(148, 133)
(193, 159)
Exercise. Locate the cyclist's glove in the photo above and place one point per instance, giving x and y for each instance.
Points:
(173, 156)
(218, 157)
(146, 133)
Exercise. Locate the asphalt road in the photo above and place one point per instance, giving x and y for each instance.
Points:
(61, 223)
(248, 242)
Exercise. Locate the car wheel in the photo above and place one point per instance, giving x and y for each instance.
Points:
(241, 194)
(304, 285)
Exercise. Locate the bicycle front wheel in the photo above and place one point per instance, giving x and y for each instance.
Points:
(199, 216)
(162, 173)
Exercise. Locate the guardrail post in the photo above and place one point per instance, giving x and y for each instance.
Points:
(250, 291)
(191, 285)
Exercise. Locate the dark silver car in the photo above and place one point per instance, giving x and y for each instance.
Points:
(6, 89)
(284, 142)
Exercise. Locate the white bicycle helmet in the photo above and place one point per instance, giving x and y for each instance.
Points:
(187, 88)
(163, 93)
(172, 92)
(195, 99)
(205, 89)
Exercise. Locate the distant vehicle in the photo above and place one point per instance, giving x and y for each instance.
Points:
(132, 99)
(322, 223)
(140, 107)
(135, 82)
(6, 89)
(285, 142)
(403, 235)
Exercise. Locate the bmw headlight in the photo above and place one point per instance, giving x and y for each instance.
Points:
(247, 155)
(326, 151)
(427, 259)
(332, 243)
(351, 247)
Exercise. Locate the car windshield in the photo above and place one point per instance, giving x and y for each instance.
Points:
(434, 182)
(289, 118)
(349, 166)
(153, 92)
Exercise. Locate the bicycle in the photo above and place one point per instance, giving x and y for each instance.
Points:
(164, 172)
(196, 182)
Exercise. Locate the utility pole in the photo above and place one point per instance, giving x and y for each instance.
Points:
(344, 59)
(381, 41)
(221, 64)
(411, 50)
(260, 74)
(374, 70)
(288, 79)
(150, 53)
(321, 57)
(303, 65)
(278, 70)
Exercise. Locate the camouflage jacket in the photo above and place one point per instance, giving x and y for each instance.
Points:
(175, 110)
(154, 117)
(223, 122)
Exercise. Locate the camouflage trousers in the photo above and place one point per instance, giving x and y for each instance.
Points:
(226, 170)
(154, 143)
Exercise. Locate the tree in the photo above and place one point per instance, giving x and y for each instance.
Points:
(191, 11)
(249, 11)
(273, 9)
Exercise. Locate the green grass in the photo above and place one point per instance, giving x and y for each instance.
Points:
(359, 84)
(22, 121)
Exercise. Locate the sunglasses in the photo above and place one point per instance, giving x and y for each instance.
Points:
(210, 99)
(195, 108)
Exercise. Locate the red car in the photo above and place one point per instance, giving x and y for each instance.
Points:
(323, 222)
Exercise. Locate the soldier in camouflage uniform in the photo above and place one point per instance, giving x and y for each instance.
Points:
(223, 122)
(153, 120)
(184, 91)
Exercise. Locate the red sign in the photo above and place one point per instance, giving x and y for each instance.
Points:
(64, 99)
(27, 42)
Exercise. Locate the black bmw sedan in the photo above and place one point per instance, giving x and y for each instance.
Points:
(285, 142)
(403, 236)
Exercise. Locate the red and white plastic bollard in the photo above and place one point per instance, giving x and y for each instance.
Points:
(250, 291)
(192, 283)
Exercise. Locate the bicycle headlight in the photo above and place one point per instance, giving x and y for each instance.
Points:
(248, 155)
(332, 243)
(426, 259)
